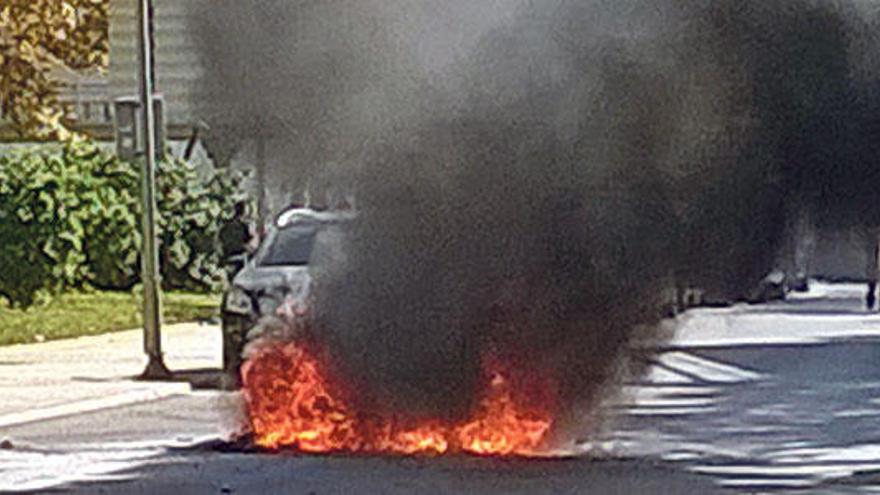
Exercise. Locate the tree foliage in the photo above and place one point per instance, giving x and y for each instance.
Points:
(37, 37)
(70, 217)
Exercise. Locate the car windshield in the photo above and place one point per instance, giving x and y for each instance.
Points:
(291, 245)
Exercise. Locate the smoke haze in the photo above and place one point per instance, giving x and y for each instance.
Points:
(532, 177)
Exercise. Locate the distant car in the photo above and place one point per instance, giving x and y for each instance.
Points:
(279, 269)
(772, 287)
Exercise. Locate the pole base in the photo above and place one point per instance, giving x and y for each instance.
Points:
(156, 370)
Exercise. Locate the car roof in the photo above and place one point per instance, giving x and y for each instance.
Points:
(297, 215)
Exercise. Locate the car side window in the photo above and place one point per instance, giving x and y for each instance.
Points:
(291, 245)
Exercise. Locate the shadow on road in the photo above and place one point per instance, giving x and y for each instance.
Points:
(199, 379)
(208, 470)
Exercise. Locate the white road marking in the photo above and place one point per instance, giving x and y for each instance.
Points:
(792, 467)
(762, 482)
(788, 470)
(706, 369)
(671, 402)
(857, 413)
(33, 471)
(850, 453)
(670, 411)
(669, 388)
(658, 375)
(28, 469)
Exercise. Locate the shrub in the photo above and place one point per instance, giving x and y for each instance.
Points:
(70, 217)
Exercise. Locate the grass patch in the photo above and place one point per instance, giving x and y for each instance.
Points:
(93, 313)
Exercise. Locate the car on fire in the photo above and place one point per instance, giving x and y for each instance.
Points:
(277, 272)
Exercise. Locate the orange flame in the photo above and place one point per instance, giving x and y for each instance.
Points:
(292, 404)
(501, 426)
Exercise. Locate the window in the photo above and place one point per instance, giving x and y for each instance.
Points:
(291, 245)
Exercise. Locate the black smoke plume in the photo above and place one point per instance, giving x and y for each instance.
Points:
(532, 178)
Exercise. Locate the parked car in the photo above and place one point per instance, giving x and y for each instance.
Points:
(278, 270)
(772, 287)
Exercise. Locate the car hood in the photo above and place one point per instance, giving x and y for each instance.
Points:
(259, 279)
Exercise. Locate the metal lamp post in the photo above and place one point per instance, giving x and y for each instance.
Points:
(156, 368)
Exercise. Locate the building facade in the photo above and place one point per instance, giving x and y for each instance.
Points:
(177, 64)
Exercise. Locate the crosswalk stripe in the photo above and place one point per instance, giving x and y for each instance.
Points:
(706, 369)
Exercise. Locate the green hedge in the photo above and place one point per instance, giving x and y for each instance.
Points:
(70, 217)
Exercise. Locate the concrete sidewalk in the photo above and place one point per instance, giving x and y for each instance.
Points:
(52, 379)
(826, 313)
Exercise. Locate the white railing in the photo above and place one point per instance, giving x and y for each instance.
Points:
(85, 103)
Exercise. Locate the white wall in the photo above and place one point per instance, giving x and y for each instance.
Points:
(177, 62)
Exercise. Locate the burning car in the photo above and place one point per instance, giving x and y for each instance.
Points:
(293, 402)
(278, 272)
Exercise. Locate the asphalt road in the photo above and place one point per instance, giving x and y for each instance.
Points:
(773, 406)
(170, 446)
